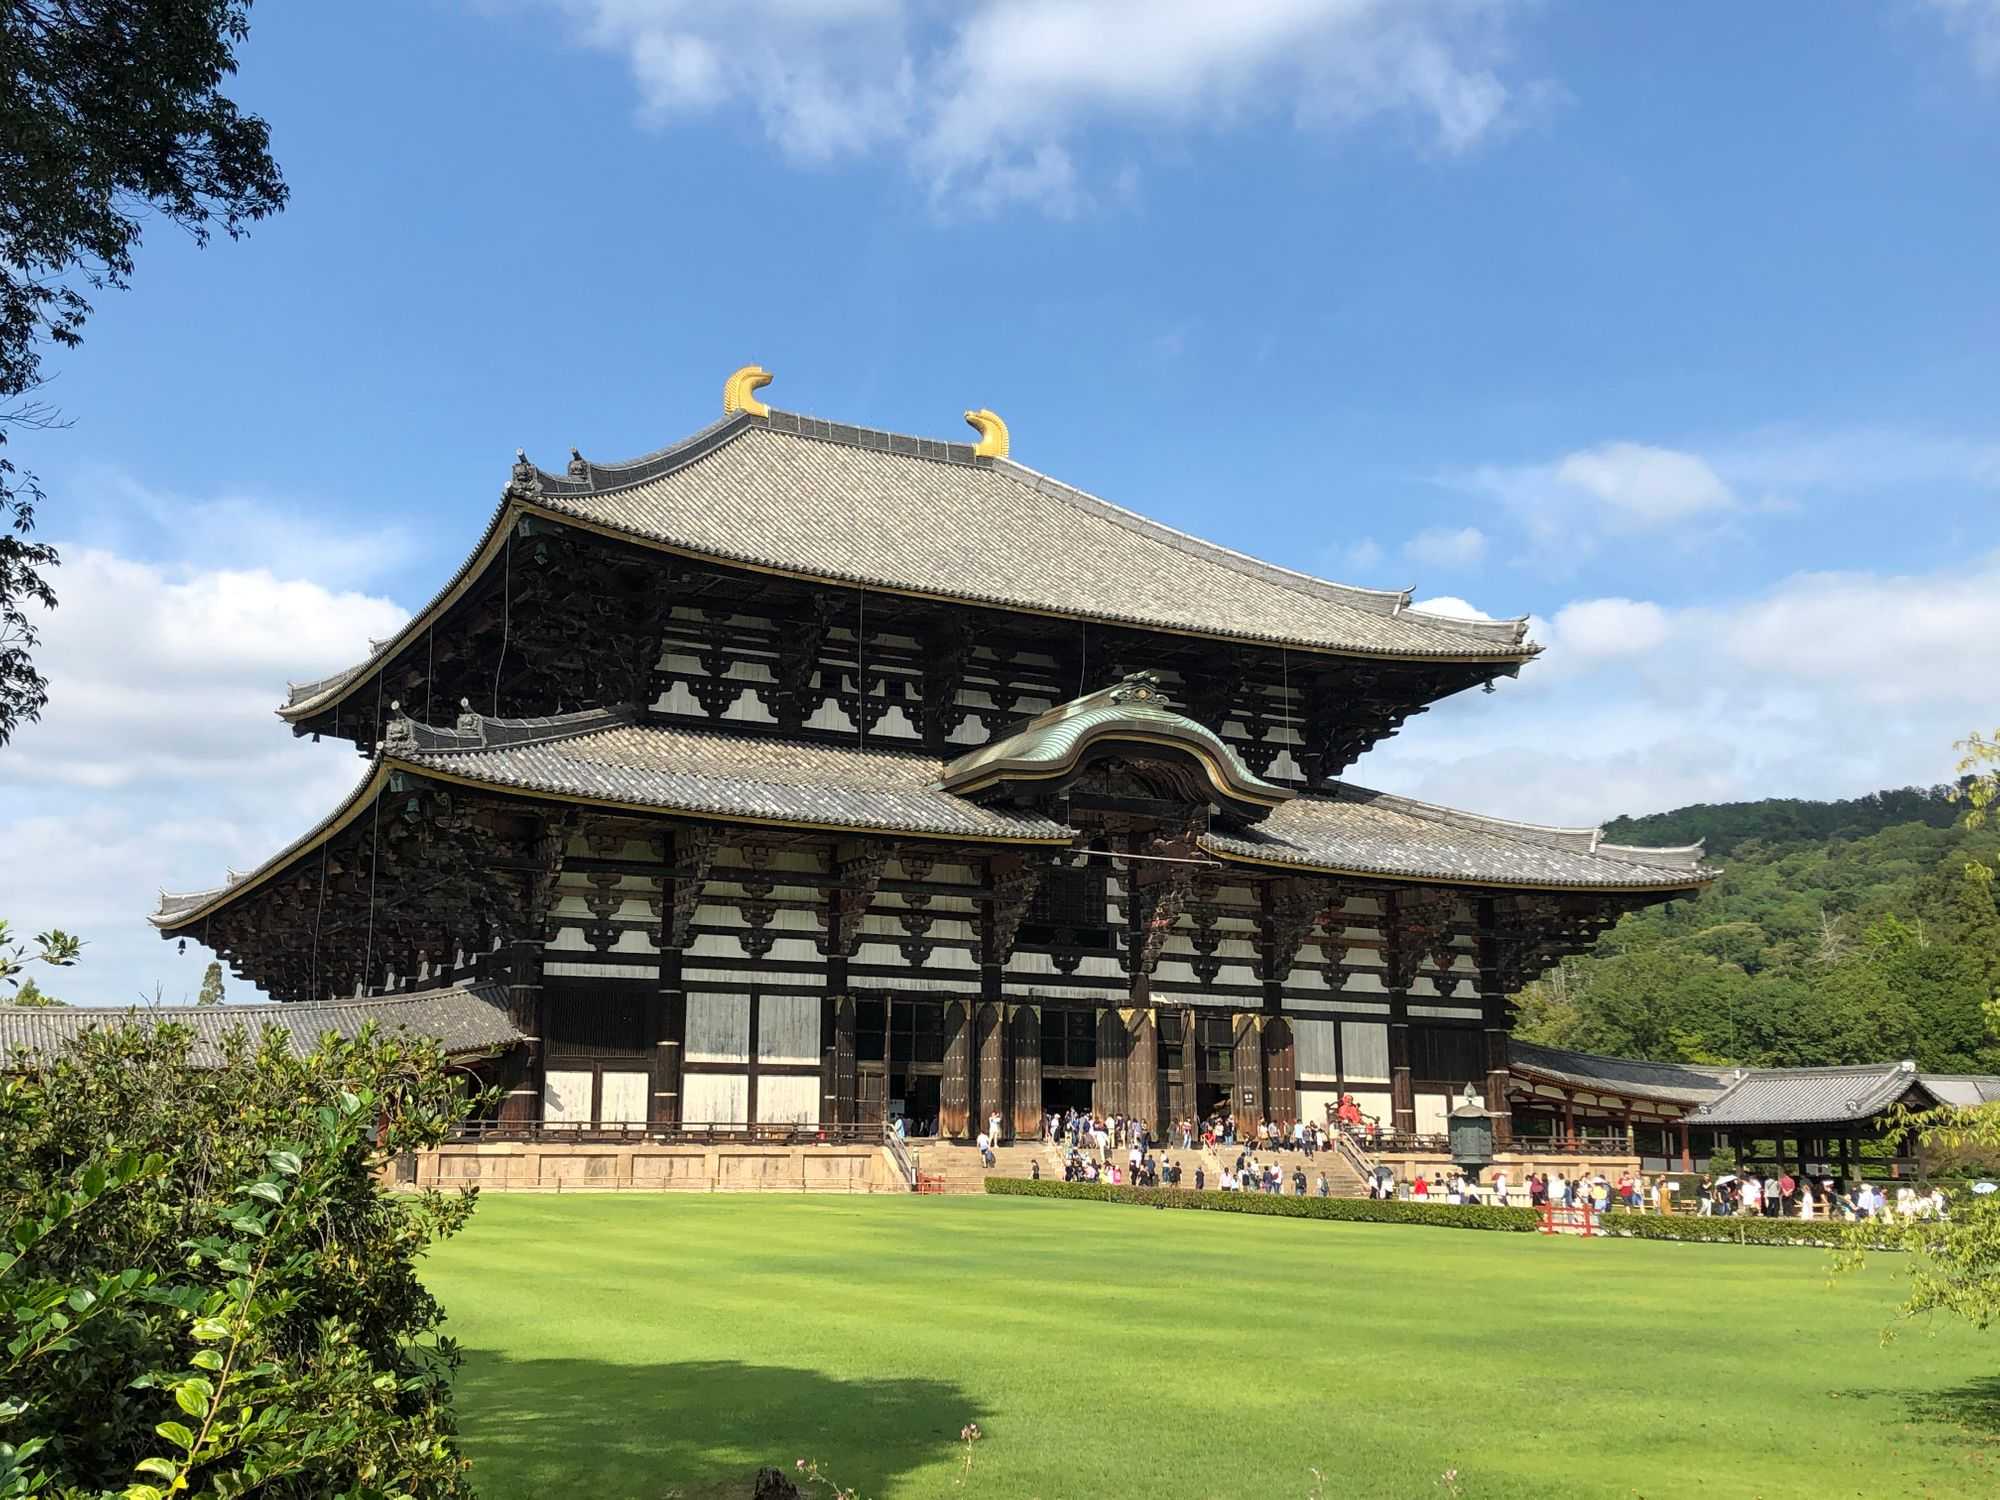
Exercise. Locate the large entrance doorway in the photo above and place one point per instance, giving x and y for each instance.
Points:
(1062, 1094)
(921, 1094)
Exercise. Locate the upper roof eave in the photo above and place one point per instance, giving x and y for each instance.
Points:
(553, 496)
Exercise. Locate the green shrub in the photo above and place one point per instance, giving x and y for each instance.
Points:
(1748, 1231)
(1461, 1216)
(1366, 1210)
(205, 1290)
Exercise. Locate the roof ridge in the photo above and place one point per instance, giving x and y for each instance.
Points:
(1584, 840)
(476, 731)
(1386, 602)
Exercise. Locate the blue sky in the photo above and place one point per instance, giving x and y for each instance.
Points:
(1671, 327)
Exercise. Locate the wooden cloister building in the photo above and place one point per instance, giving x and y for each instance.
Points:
(805, 772)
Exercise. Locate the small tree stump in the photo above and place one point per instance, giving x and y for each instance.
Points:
(774, 1484)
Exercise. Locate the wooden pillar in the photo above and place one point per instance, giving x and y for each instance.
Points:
(669, 1040)
(1248, 1103)
(1687, 1148)
(1190, 1067)
(1497, 1077)
(1142, 1068)
(1569, 1115)
(1024, 1028)
(522, 1103)
(955, 1093)
(1402, 1092)
(993, 1080)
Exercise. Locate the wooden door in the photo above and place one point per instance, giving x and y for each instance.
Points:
(993, 1092)
(843, 1061)
(1107, 1091)
(955, 1102)
(1024, 1036)
(1247, 1101)
(871, 1096)
(1142, 1068)
(1281, 1096)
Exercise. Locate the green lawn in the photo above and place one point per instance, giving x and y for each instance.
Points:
(646, 1345)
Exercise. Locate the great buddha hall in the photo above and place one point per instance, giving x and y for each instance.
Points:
(802, 773)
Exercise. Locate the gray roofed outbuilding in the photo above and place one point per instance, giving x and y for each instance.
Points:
(1672, 1083)
(1813, 1096)
(466, 1020)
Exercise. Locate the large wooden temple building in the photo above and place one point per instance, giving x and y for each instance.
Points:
(801, 772)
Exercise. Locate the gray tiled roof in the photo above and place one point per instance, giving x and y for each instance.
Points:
(1809, 1096)
(1966, 1090)
(840, 504)
(466, 1019)
(603, 755)
(1674, 1083)
(750, 777)
(1353, 829)
(854, 505)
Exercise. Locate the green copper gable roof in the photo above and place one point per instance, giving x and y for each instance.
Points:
(1053, 744)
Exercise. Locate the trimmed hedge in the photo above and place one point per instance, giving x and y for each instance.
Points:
(1745, 1231)
(1685, 1227)
(1367, 1210)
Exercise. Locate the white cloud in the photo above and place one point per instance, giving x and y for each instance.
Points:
(1825, 685)
(1363, 556)
(1443, 547)
(1978, 21)
(1647, 486)
(1569, 506)
(159, 761)
(984, 100)
(1451, 606)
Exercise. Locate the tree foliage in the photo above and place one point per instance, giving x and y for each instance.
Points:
(206, 1290)
(113, 115)
(211, 985)
(55, 948)
(1838, 933)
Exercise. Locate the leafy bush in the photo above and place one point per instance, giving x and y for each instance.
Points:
(205, 1288)
(1368, 1210)
(1460, 1216)
(1742, 1231)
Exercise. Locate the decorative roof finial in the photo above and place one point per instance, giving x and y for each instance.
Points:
(992, 433)
(526, 480)
(1141, 687)
(579, 466)
(736, 391)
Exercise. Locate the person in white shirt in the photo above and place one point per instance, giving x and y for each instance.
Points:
(1228, 1183)
(1500, 1188)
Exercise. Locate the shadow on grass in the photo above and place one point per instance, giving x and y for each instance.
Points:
(533, 1427)
(1973, 1408)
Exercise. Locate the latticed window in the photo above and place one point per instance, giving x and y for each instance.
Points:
(1072, 902)
(1069, 1038)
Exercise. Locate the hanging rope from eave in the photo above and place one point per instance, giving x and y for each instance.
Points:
(430, 668)
(1083, 661)
(861, 667)
(506, 617)
(374, 868)
(319, 917)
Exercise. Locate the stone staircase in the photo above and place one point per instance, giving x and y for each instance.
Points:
(958, 1168)
(1342, 1180)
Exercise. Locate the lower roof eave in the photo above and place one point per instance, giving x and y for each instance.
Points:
(1466, 882)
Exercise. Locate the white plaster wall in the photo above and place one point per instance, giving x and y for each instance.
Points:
(1364, 1049)
(715, 1098)
(788, 1099)
(1313, 1049)
(788, 1029)
(718, 1029)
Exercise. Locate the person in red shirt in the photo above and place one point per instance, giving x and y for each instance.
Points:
(1786, 1187)
(1420, 1188)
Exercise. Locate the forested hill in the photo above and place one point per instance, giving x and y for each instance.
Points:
(1786, 820)
(1839, 932)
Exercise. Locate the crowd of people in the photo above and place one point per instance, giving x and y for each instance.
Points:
(1118, 1150)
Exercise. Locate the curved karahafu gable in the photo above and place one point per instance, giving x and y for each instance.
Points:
(1133, 717)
